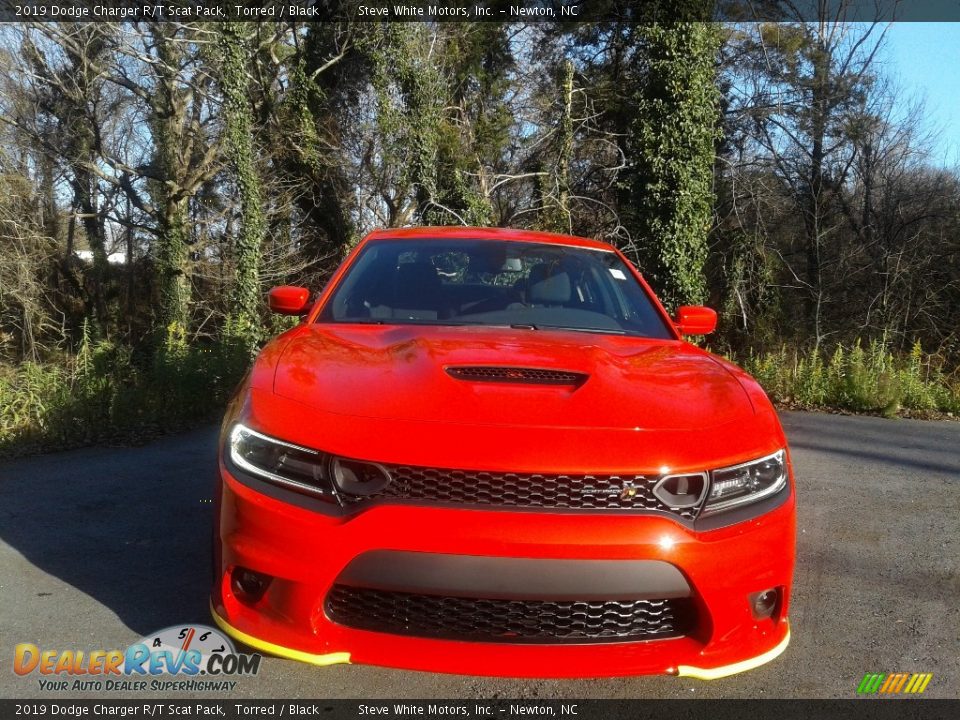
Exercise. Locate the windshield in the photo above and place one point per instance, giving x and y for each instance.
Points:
(498, 283)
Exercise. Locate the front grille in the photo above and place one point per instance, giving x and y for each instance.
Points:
(532, 376)
(475, 487)
(505, 621)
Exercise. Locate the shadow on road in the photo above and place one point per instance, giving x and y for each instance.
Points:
(906, 446)
(129, 527)
(888, 457)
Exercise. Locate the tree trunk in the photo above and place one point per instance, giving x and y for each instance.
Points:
(170, 110)
(671, 152)
(171, 272)
(245, 297)
(813, 216)
(554, 183)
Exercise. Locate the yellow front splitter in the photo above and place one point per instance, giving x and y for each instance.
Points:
(738, 667)
(337, 658)
(343, 658)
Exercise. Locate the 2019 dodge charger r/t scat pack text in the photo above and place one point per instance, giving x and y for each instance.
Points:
(490, 451)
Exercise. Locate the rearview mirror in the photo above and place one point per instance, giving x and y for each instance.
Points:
(289, 300)
(696, 320)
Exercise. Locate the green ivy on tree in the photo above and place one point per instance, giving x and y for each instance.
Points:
(668, 181)
(245, 322)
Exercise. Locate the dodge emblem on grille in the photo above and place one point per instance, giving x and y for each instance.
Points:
(628, 492)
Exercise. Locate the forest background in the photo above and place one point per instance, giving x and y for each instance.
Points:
(156, 178)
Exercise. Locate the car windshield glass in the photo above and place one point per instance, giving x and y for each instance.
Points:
(497, 283)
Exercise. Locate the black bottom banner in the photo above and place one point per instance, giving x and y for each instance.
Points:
(894, 709)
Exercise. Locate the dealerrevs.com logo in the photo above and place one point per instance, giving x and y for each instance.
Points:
(187, 658)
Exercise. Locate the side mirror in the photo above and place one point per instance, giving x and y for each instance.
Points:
(289, 300)
(696, 320)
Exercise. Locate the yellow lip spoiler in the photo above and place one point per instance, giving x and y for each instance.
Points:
(337, 658)
(739, 667)
(340, 658)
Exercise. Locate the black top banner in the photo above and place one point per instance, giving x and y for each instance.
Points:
(589, 11)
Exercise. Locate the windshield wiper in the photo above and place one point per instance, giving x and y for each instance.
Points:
(479, 323)
(603, 331)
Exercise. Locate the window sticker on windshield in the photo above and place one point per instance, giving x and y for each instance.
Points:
(618, 273)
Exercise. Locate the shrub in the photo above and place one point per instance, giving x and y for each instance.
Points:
(869, 379)
(103, 393)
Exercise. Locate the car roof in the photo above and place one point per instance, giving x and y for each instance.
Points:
(485, 233)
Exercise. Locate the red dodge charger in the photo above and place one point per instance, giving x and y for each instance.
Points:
(490, 451)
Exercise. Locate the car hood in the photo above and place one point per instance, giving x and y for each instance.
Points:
(400, 373)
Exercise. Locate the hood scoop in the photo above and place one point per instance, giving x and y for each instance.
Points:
(522, 375)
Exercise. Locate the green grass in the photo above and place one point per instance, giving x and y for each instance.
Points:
(869, 379)
(104, 394)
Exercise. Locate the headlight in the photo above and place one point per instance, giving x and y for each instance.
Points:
(279, 462)
(303, 469)
(748, 482)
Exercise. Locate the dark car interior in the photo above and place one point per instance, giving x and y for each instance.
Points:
(467, 282)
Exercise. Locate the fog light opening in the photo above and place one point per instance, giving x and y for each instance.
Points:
(681, 491)
(354, 477)
(248, 585)
(765, 604)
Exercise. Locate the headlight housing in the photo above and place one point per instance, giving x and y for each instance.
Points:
(746, 483)
(303, 469)
(279, 462)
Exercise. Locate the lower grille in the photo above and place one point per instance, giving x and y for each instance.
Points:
(505, 621)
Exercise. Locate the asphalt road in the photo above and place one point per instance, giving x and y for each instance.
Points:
(99, 547)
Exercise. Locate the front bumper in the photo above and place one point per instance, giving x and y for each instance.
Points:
(306, 551)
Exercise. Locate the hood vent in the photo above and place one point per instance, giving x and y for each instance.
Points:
(526, 376)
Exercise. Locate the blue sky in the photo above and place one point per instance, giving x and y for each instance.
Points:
(924, 58)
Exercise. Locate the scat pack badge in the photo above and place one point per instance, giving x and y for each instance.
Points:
(181, 657)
